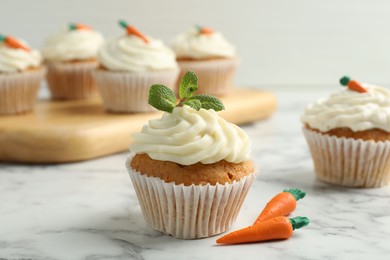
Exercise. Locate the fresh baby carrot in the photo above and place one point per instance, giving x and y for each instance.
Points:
(131, 30)
(352, 84)
(79, 26)
(282, 204)
(13, 43)
(277, 228)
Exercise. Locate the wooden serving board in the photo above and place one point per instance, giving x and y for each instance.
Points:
(67, 131)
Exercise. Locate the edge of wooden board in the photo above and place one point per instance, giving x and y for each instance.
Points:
(31, 142)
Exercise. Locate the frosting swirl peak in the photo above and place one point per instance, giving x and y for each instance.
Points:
(67, 45)
(130, 53)
(187, 136)
(354, 110)
(202, 46)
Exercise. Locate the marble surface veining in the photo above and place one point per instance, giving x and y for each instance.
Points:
(89, 210)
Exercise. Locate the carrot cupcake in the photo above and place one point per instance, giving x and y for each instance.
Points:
(349, 135)
(210, 56)
(191, 169)
(20, 75)
(70, 56)
(131, 63)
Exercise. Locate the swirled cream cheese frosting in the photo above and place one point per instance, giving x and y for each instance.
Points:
(187, 136)
(193, 44)
(14, 60)
(350, 109)
(68, 45)
(130, 53)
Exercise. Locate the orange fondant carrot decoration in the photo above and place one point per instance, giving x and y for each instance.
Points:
(277, 228)
(282, 204)
(352, 84)
(205, 30)
(131, 30)
(79, 26)
(13, 43)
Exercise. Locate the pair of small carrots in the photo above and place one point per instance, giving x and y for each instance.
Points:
(131, 30)
(14, 43)
(271, 224)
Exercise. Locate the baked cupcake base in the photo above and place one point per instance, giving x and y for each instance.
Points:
(126, 92)
(18, 91)
(71, 80)
(349, 162)
(215, 76)
(198, 173)
(189, 212)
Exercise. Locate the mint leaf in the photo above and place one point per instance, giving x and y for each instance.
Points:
(194, 103)
(209, 102)
(188, 85)
(162, 98)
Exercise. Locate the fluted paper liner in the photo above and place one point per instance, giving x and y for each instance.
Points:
(349, 162)
(189, 212)
(215, 77)
(71, 80)
(129, 91)
(18, 91)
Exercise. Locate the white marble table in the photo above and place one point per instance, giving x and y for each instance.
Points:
(89, 210)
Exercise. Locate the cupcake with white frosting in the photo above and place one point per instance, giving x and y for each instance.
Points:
(191, 169)
(209, 55)
(130, 63)
(70, 56)
(349, 135)
(21, 74)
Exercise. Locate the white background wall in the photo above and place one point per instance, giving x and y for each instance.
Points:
(282, 43)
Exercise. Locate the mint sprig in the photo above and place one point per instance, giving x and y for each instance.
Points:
(163, 98)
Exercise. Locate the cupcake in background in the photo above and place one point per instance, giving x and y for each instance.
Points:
(349, 135)
(131, 63)
(210, 56)
(191, 169)
(70, 56)
(21, 74)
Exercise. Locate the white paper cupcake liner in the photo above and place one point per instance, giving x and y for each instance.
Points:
(189, 212)
(129, 91)
(215, 77)
(18, 91)
(71, 80)
(349, 162)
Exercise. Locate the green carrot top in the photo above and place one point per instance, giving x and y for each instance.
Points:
(72, 27)
(299, 222)
(344, 80)
(297, 193)
(123, 23)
